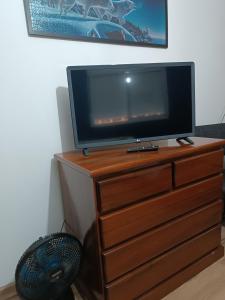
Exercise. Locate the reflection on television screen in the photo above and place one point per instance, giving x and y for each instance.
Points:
(111, 121)
(118, 98)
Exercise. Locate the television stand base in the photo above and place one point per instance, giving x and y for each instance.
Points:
(85, 151)
(186, 139)
(143, 148)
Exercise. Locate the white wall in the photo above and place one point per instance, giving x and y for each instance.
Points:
(32, 120)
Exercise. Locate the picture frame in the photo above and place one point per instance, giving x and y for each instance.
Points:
(124, 22)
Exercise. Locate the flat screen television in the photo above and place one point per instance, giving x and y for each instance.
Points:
(118, 104)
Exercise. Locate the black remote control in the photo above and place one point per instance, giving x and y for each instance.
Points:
(143, 148)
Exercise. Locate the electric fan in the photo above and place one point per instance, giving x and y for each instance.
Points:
(48, 268)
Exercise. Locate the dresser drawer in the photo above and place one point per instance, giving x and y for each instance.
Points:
(176, 280)
(125, 189)
(137, 251)
(197, 167)
(128, 222)
(152, 273)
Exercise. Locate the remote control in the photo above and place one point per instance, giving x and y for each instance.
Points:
(143, 148)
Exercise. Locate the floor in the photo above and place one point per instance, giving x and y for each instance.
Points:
(207, 285)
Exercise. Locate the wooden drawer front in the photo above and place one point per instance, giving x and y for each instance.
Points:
(128, 222)
(125, 189)
(152, 273)
(128, 256)
(172, 283)
(194, 168)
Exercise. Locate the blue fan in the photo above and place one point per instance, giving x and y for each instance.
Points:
(48, 268)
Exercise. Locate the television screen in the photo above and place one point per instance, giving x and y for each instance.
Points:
(118, 104)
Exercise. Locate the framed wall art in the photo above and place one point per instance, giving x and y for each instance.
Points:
(130, 22)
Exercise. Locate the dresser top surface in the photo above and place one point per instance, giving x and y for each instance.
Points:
(103, 162)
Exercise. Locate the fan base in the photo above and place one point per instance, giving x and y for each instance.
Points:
(67, 295)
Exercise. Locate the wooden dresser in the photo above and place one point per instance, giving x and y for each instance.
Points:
(148, 221)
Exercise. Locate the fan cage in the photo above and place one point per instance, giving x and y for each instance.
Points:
(48, 267)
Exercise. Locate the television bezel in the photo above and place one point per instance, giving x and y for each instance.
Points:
(105, 142)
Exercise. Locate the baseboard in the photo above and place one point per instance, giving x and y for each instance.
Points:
(8, 292)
